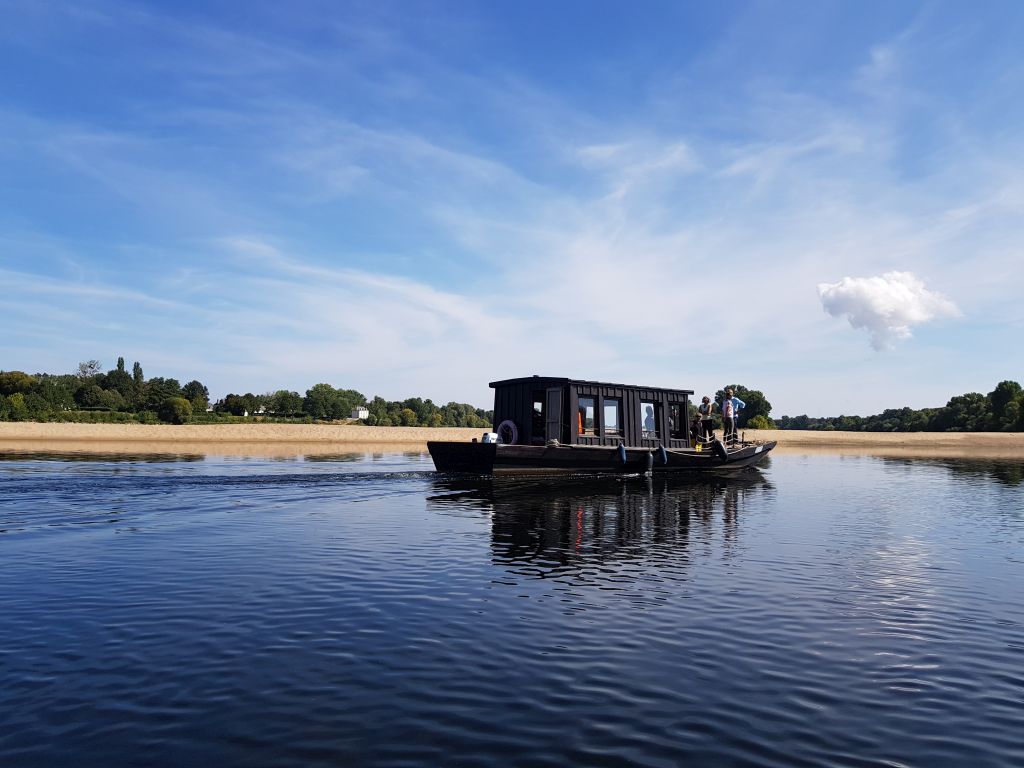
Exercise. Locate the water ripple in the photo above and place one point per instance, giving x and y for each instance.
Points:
(828, 611)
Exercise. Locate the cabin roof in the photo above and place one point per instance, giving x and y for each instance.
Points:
(547, 381)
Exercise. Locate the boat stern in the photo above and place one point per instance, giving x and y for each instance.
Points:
(477, 458)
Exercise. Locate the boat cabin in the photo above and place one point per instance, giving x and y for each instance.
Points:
(575, 412)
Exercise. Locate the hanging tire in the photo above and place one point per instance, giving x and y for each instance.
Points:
(720, 450)
(508, 432)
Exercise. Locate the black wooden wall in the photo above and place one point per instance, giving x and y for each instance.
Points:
(514, 400)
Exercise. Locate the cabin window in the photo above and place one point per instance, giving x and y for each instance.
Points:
(612, 417)
(649, 420)
(676, 421)
(537, 424)
(586, 418)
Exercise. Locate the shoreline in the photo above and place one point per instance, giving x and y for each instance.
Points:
(71, 432)
(324, 439)
(1012, 441)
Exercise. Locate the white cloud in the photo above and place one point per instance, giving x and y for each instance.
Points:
(887, 307)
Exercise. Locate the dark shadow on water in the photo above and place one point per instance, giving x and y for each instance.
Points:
(356, 456)
(541, 527)
(93, 457)
(335, 457)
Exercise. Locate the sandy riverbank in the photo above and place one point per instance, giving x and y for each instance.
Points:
(1002, 445)
(220, 439)
(325, 439)
(228, 433)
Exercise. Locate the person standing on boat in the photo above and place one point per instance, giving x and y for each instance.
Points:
(696, 428)
(705, 412)
(731, 407)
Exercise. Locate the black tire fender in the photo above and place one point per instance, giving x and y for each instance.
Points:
(508, 429)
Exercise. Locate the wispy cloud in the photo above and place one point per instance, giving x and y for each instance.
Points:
(360, 204)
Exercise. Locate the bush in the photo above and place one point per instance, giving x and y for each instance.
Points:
(16, 408)
(760, 422)
(93, 417)
(203, 417)
(175, 410)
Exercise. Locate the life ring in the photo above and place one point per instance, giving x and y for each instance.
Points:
(508, 432)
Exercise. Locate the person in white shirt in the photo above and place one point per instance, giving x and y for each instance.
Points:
(731, 407)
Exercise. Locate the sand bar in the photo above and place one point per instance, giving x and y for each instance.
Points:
(1005, 445)
(228, 433)
(263, 440)
(328, 439)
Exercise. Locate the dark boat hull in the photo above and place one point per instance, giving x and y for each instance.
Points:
(490, 458)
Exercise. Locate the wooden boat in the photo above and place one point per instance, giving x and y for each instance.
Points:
(546, 424)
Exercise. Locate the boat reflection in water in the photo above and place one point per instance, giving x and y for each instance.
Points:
(547, 529)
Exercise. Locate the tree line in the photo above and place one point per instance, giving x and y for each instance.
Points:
(1001, 410)
(92, 395)
(322, 402)
(89, 394)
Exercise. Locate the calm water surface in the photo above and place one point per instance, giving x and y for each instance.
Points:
(359, 610)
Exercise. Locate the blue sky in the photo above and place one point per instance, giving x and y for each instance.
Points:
(823, 201)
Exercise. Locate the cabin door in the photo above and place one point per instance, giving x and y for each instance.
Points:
(554, 414)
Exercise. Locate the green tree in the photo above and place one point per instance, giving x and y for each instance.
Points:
(17, 409)
(36, 407)
(464, 415)
(233, 404)
(348, 401)
(159, 389)
(963, 413)
(760, 422)
(238, 405)
(323, 402)
(425, 410)
(285, 403)
(137, 376)
(802, 421)
(175, 410)
(378, 408)
(1002, 400)
(197, 394)
(113, 400)
(119, 381)
(58, 391)
(1014, 414)
(15, 381)
(849, 423)
(89, 396)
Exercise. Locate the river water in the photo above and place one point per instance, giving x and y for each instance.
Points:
(358, 610)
